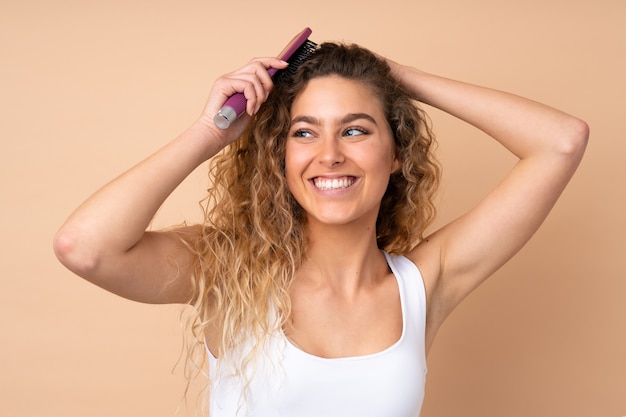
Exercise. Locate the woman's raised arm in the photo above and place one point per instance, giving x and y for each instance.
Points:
(549, 145)
(105, 240)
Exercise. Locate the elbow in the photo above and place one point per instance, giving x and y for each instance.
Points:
(575, 138)
(73, 252)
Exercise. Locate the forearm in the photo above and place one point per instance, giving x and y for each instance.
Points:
(114, 219)
(523, 126)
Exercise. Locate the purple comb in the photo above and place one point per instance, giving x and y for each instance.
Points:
(295, 53)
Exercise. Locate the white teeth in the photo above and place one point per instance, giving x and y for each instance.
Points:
(333, 184)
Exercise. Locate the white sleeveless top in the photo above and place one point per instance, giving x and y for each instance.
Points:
(288, 382)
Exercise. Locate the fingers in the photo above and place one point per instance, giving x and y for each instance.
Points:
(253, 80)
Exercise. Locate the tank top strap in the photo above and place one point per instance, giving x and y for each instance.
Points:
(412, 296)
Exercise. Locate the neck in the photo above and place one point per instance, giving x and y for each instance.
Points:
(345, 257)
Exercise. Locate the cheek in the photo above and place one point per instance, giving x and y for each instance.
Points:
(289, 163)
(297, 157)
(292, 167)
(379, 157)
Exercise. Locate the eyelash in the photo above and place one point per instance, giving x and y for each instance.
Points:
(300, 133)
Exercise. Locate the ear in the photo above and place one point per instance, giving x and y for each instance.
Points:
(395, 165)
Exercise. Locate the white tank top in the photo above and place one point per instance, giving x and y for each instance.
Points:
(288, 382)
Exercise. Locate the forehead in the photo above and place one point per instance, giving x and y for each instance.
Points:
(333, 95)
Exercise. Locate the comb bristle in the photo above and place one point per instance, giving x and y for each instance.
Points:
(300, 56)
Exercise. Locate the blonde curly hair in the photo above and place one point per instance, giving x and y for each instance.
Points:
(253, 239)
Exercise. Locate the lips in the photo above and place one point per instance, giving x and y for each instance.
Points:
(326, 184)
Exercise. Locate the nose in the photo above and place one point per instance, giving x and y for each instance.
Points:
(330, 152)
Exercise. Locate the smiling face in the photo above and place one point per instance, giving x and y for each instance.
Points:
(339, 153)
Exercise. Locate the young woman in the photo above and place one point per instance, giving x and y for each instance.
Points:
(315, 290)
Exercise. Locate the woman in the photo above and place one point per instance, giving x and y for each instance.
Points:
(315, 290)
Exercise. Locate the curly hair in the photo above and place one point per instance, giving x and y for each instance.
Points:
(253, 237)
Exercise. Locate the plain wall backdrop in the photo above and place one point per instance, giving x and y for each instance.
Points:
(88, 88)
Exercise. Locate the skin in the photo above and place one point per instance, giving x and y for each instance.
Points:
(105, 239)
(339, 131)
(549, 145)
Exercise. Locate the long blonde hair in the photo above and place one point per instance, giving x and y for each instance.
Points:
(253, 237)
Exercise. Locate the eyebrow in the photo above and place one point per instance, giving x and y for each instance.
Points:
(348, 118)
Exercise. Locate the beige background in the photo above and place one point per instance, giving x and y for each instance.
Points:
(89, 87)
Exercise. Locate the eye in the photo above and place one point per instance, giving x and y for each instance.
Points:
(302, 133)
(355, 131)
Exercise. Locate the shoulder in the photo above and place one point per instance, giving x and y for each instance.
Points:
(402, 264)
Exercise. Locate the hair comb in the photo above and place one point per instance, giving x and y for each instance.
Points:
(296, 52)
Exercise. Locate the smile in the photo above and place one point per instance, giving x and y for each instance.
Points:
(333, 183)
